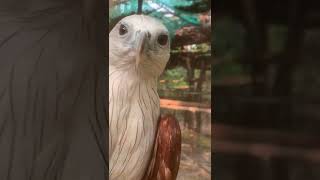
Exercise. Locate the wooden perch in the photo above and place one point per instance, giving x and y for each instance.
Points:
(265, 143)
(183, 105)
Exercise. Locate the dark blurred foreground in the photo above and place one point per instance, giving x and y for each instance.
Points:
(266, 88)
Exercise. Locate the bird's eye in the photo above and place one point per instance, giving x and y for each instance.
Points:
(123, 30)
(163, 39)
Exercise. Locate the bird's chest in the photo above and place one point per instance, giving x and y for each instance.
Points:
(133, 114)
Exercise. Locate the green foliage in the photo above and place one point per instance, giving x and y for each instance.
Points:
(228, 69)
(229, 45)
(174, 78)
(228, 38)
(276, 37)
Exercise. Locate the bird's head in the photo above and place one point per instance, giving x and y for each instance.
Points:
(140, 44)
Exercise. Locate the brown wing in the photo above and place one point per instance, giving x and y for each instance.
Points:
(165, 160)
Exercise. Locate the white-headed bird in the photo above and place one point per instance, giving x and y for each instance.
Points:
(142, 145)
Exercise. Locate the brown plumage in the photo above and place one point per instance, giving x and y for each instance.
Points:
(165, 159)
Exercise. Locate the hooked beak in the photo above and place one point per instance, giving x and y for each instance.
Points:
(141, 41)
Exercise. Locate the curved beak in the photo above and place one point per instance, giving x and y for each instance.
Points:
(140, 45)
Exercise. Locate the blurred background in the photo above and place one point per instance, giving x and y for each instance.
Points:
(266, 90)
(185, 86)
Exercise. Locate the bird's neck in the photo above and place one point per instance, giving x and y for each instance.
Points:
(134, 108)
(132, 77)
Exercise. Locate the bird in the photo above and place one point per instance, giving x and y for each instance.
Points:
(143, 144)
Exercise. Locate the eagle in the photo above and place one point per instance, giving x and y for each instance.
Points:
(143, 145)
